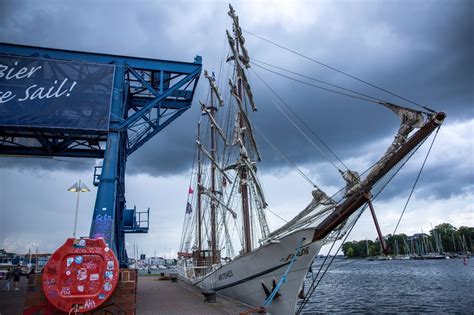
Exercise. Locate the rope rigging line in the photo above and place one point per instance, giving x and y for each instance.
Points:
(270, 298)
(316, 80)
(229, 133)
(284, 156)
(337, 70)
(389, 176)
(190, 197)
(194, 162)
(362, 96)
(296, 126)
(314, 286)
(416, 181)
(275, 214)
(309, 128)
(375, 100)
(347, 264)
(365, 98)
(224, 52)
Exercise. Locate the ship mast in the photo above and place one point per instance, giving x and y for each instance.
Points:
(212, 111)
(199, 192)
(243, 176)
(244, 188)
(212, 192)
(236, 47)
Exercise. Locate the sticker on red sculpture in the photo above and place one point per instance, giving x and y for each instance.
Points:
(72, 275)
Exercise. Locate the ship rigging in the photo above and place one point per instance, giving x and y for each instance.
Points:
(228, 196)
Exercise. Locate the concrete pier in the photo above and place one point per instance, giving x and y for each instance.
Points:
(154, 296)
(11, 302)
(166, 297)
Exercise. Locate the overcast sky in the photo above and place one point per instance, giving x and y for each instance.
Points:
(422, 50)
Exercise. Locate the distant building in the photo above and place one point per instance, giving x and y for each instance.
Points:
(11, 259)
(157, 261)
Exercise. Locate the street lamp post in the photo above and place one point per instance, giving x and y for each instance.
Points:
(30, 253)
(78, 188)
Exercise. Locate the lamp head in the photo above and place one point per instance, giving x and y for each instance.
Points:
(74, 188)
(77, 188)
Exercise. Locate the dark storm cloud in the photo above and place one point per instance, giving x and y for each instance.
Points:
(420, 50)
(57, 163)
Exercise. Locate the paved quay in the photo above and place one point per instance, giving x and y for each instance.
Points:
(11, 302)
(179, 298)
(153, 297)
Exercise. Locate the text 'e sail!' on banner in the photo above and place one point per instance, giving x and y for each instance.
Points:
(50, 93)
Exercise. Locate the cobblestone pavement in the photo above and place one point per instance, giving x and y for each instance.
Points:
(166, 297)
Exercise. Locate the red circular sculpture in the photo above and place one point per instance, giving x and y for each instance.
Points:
(81, 274)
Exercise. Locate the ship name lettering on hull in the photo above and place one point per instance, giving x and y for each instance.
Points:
(226, 275)
(301, 252)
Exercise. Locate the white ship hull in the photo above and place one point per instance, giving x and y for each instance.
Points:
(243, 278)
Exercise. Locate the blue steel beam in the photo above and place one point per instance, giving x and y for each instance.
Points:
(162, 102)
(35, 143)
(106, 209)
(159, 96)
(156, 130)
(39, 151)
(170, 104)
(134, 62)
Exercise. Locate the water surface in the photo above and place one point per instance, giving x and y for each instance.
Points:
(396, 286)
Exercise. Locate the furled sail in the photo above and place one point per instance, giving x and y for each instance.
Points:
(206, 111)
(213, 85)
(409, 120)
(243, 116)
(238, 34)
(352, 179)
(242, 77)
(320, 198)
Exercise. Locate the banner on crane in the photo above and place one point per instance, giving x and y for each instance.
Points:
(52, 93)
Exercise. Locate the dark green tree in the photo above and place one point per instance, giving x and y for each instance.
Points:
(444, 237)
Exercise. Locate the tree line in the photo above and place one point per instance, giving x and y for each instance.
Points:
(443, 238)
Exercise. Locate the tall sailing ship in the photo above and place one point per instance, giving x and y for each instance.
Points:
(227, 245)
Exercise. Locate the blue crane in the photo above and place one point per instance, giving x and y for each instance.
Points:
(142, 96)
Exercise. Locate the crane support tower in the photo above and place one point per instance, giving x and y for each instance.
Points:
(79, 104)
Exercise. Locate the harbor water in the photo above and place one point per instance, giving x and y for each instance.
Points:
(394, 286)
